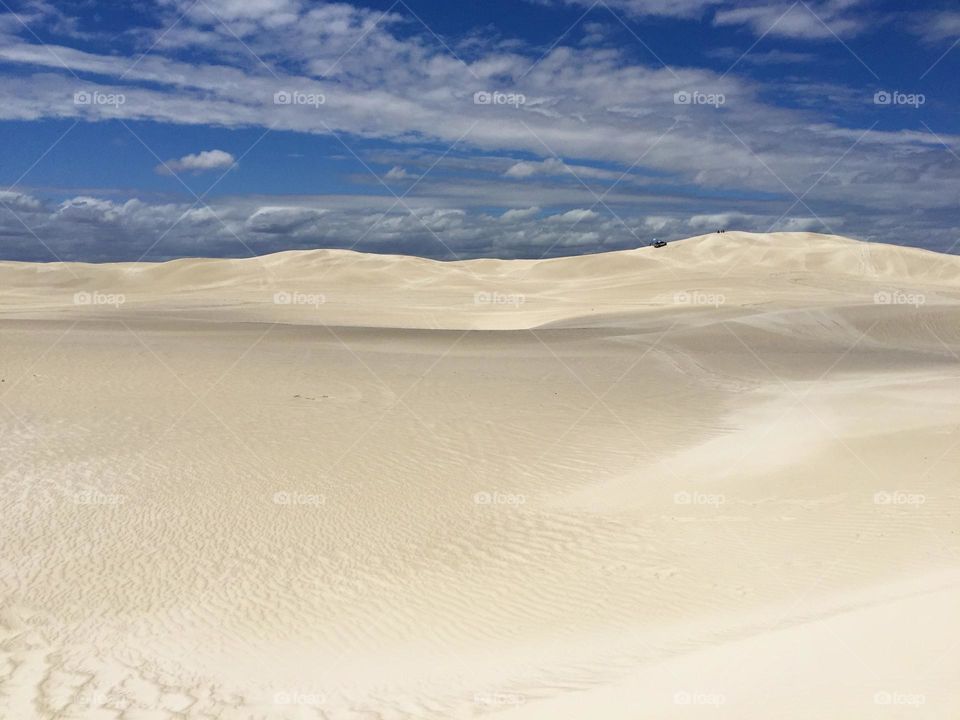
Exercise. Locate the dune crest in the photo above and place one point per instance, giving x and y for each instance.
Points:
(340, 287)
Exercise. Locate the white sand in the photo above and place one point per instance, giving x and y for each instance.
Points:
(718, 479)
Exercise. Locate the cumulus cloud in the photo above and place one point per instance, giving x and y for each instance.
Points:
(98, 229)
(89, 210)
(18, 201)
(557, 167)
(717, 220)
(733, 219)
(281, 220)
(573, 216)
(658, 223)
(809, 224)
(519, 214)
(198, 162)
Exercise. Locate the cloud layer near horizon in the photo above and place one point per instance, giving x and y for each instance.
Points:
(590, 135)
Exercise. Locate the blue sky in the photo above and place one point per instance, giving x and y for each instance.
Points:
(528, 128)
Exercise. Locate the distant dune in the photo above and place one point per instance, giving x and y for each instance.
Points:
(715, 479)
(340, 287)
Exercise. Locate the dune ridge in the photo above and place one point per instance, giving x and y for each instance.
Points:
(344, 287)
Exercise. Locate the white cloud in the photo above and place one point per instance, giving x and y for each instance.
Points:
(519, 214)
(85, 209)
(18, 201)
(399, 173)
(738, 220)
(937, 27)
(573, 216)
(272, 12)
(808, 224)
(279, 220)
(92, 228)
(658, 222)
(525, 169)
(198, 162)
(557, 167)
(716, 221)
(811, 20)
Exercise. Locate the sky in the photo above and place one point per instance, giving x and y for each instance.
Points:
(455, 129)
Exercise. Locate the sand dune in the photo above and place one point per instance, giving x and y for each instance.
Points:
(713, 479)
(342, 288)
